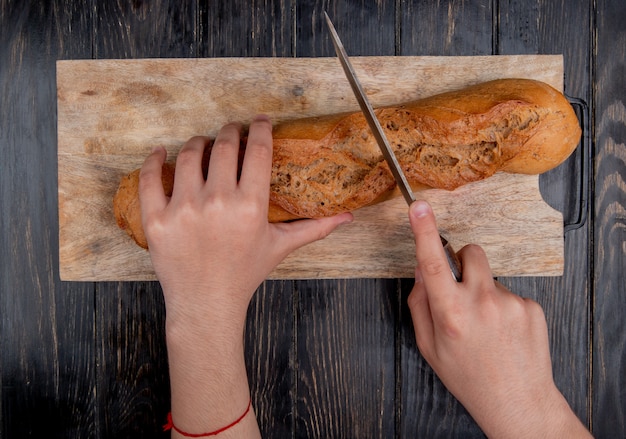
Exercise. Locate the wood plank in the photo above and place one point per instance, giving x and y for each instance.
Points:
(47, 363)
(609, 276)
(133, 376)
(47, 376)
(133, 385)
(345, 358)
(271, 357)
(427, 408)
(540, 26)
(96, 148)
(246, 29)
(344, 329)
(354, 23)
(447, 28)
(138, 29)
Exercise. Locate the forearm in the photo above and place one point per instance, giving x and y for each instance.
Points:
(548, 415)
(208, 378)
(211, 246)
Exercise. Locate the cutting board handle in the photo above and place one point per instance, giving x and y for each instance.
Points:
(584, 156)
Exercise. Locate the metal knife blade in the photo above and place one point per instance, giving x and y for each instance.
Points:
(381, 140)
(368, 112)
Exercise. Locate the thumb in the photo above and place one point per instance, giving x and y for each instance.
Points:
(429, 252)
(424, 228)
(303, 232)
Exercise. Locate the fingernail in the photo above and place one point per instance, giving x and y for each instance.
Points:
(261, 118)
(420, 209)
(345, 218)
(157, 149)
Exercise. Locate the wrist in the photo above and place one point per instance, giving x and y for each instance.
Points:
(548, 415)
(205, 326)
(205, 313)
(564, 422)
(209, 383)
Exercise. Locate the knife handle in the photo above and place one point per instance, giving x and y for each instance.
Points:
(453, 260)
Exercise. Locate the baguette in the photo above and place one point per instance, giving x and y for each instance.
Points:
(331, 164)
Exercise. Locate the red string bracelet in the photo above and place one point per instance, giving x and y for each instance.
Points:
(170, 425)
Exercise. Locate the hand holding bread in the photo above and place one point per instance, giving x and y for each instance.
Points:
(209, 232)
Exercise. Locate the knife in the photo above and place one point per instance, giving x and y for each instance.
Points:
(383, 143)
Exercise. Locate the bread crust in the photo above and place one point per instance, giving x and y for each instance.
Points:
(126, 204)
(331, 164)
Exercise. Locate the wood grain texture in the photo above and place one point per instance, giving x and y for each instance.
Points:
(345, 361)
(609, 280)
(133, 386)
(47, 356)
(253, 28)
(88, 359)
(451, 29)
(133, 382)
(142, 29)
(345, 355)
(448, 29)
(539, 27)
(357, 22)
(109, 121)
(271, 357)
(46, 326)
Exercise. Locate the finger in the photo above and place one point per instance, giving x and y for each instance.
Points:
(299, 233)
(151, 195)
(189, 167)
(257, 163)
(429, 252)
(476, 270)
(421, 316)
(224, 160)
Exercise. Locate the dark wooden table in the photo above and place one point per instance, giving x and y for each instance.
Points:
(325, 358)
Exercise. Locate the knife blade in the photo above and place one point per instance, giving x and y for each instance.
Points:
(381, 140)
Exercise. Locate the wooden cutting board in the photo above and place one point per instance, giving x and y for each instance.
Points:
(111, 113)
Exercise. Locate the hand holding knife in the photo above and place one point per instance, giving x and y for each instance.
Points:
(383, 143)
